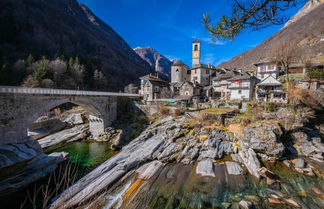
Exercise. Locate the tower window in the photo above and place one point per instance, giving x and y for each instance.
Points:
(196, 47)
(177, 70)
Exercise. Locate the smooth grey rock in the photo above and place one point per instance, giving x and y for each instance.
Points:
(233, 168)
(300, 163)
(68, 135)
(74, 119)
(246, 204)
(263, 137)
(147, 170)
(11, 154)
(206, 168)
(250, 161)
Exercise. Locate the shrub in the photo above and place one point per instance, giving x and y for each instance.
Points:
(177, 112)
(272, 106)
(164, 111)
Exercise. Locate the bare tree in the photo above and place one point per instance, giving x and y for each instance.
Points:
(284, 54)
(249, 14)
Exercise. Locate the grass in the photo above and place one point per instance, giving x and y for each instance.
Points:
(247, 116)
(216, 110)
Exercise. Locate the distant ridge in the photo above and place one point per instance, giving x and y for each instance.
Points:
(158, 62)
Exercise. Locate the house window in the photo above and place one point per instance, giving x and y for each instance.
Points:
(239, 91)
(207, 71)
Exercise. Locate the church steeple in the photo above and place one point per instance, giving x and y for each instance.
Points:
(195, 53)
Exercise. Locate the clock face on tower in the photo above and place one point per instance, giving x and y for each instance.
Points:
(195, 54)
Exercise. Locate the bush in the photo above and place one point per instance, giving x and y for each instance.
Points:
(272, 106)
(177, 112)
(164, 111)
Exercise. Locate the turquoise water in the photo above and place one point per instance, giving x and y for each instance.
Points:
(86, 153)
(178, 186)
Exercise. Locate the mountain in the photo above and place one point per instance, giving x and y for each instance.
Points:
(157, 62)
(306, 30)
(55, 28)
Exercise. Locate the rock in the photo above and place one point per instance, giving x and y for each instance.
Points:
(275, 201)
(292, 203)
(74, 119)
(68, 135)
(146, 147)
(233, 168)
(63, 155)
(22, 174)
(308, 143)
(237, 158)
(147, 170)
(253, 198)
(263, 137)
(287, 163)
(268, 175)
(208, 154)
(299, 163)
(246, 204)
(226, 205)
(206, 168)
(169, 150)
(11, 154)
(251, 161)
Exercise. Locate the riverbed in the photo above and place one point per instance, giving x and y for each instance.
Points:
(178, 186)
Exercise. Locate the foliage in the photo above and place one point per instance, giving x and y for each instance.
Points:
(248, 14)
(99, 80)
(177, 112)
(216, 110)
(316, 74)
(272, 106)
(164, 110)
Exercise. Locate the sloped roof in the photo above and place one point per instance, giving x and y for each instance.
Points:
(151, 77)
(269, 81)
(225, 76)
(241, 76)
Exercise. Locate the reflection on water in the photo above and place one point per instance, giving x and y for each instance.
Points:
(178, 186)
(86, 153)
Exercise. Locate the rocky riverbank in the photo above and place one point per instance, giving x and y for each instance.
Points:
(181, 140)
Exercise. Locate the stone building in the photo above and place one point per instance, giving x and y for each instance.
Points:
(242, 86)
(153, 87)
(221, 84)
(270, 90)
(179, 72)
(189, 89)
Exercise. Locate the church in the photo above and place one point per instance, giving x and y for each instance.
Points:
(189, 82)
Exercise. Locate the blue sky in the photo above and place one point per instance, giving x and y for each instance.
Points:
(169, 26)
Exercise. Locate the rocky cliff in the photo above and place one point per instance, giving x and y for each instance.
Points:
(306, 30)
(157, 62)
(55, 28)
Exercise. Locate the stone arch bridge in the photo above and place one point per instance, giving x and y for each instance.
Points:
(20, 107)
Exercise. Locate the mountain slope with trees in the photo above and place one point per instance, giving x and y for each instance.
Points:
(305, 34)
(48, 33)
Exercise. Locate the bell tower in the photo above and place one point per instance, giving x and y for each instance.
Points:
(195, 53)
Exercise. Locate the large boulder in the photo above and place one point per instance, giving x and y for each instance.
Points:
(206, 168)
(263, 137)
(308, 143)
(250, 160)
(233, 168)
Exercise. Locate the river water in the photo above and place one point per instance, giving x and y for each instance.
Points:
(178, 186)
(86, 153)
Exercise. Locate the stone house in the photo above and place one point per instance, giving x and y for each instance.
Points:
(153, 87)
(242, 86)
(266, 68)
(189, 89)
(221, 83)
(179, 72)
(270, 90)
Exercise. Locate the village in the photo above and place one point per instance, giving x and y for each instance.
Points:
(205, 83)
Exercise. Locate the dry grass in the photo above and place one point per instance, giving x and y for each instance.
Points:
(177, 112)
(216, 110)
(237, 129)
